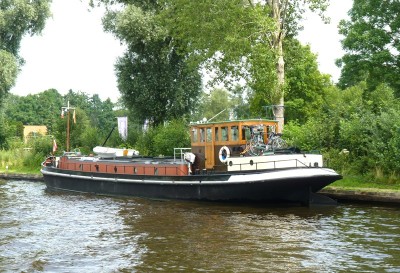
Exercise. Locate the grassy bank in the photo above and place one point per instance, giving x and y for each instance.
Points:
(21, 171)
(352, 182)
(20, 161)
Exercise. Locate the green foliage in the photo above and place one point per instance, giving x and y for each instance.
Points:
(155, 82)
(306, 87)
(90, 138)
(99, 113)
(145, 144)
(315, 134)
(11, 158)
(162, 140)
(232, 40)
(38, 109)
(17, 18)
(371, 44)
(173, 135)
(77, 129)
(134, 133)
(8, 72)
(3, 133)
(354, 182)
(40, 147)
(239, 40)
(94, 118)
(213, 103)
(358, 131)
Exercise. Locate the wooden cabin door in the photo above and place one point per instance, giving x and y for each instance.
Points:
(209, 149)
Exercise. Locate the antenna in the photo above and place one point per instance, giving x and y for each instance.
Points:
(216, 115)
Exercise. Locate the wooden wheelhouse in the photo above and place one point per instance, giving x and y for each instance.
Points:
(207, 139)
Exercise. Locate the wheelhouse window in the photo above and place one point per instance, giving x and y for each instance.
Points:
(246, 133)
(202, 134)
(209, 134)
(224, 133)
(234, 133)
(216, 131)
(195, 137)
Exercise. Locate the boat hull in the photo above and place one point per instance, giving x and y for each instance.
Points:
(287, 185)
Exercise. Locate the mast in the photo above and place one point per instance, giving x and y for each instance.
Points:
(68, 110)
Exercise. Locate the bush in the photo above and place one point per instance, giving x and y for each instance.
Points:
(41, 145)
(33, 160)
(313, 135)
(145, 143)
(174, 135)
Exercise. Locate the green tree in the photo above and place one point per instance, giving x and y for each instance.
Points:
(38, 109)
(17, 18)
(241, 39)
(78, 130)
(365, 123)
(240, 100)
(155, 82)
(214, 103)
(306, 86)
(100, 114)
(8, 71)
(372, 45)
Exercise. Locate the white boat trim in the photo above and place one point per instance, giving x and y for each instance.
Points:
(234, 178)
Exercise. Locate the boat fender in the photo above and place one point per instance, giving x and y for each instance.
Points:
(224, 154)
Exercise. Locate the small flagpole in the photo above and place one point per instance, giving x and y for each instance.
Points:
(67, 109)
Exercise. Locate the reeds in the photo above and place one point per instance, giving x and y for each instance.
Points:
(19, 160)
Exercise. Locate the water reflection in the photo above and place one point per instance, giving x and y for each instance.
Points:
(79, 233)
(62, 233)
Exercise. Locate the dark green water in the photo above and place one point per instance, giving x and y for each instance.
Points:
(47, 232)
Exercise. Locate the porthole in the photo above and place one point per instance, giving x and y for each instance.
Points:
(230, 163)
(251, 162)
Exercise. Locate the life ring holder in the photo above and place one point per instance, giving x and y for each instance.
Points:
(224, 154)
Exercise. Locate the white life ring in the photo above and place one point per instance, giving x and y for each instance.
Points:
(224, 154)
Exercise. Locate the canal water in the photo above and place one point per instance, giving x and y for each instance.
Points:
(53, 232)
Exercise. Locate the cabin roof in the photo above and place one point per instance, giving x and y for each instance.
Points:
(193, 124)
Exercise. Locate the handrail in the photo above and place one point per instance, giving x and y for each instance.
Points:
(299, 164)
(181, 153)
(156, 169)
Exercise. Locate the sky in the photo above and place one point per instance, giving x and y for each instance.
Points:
(73, 51)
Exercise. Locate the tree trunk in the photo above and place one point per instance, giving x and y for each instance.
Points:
(279, 108)
(278, 36)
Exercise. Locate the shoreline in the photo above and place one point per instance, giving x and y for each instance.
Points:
(340, 194)
(362, 194)
(20, 176)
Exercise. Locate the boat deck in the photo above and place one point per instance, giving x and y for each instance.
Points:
(124, 165)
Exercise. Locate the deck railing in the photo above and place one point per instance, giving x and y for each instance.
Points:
(155, 169)
(272, 164)
(180, 152)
